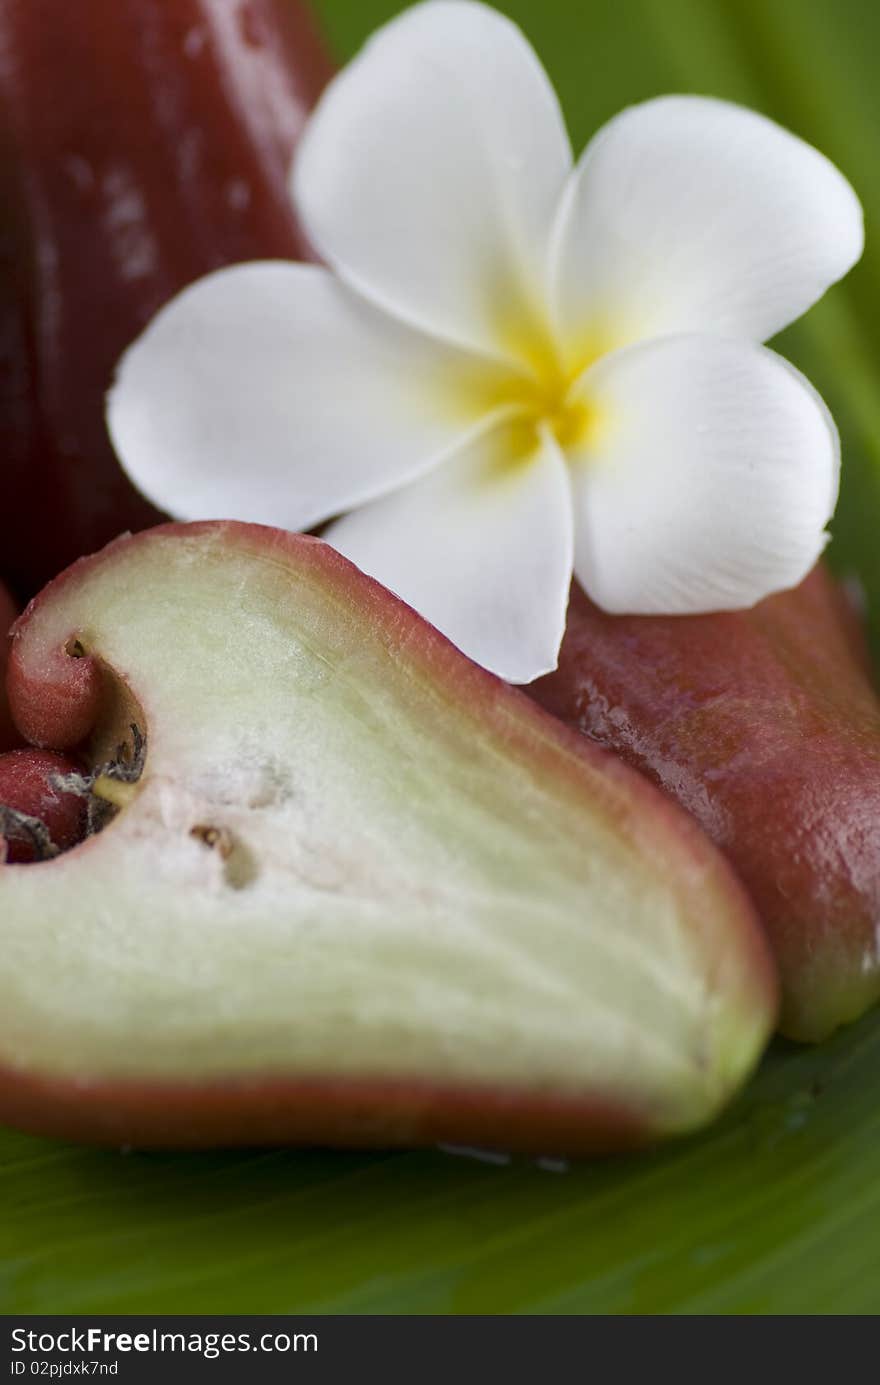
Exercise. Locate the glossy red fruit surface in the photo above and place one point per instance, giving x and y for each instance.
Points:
(764, 724)
(8, 611)
(142, 144)
(42, 807)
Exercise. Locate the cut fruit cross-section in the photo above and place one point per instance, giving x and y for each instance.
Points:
(362, 892)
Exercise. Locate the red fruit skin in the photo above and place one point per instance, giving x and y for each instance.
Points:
(57, 707)
(341, 1113)
(142, 144)
(850, 609)
(765, 726)
(8, 611)
(29, 784)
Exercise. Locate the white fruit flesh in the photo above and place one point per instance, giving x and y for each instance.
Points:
(417, 875)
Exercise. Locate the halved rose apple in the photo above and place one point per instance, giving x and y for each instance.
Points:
(361, 892)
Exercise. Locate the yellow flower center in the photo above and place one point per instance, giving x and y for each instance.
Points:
(547, 404)
(543, 396)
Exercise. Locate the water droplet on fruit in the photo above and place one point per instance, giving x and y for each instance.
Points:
(194, 41)
(251, 26)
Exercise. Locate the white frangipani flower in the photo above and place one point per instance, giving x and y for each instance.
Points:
(514, 367)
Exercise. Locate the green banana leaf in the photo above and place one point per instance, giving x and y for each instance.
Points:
(776, 1209)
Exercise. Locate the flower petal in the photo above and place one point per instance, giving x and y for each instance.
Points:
(430, 173)
(482, 548)
(712, 472)
(690, 214)
(270, 392)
